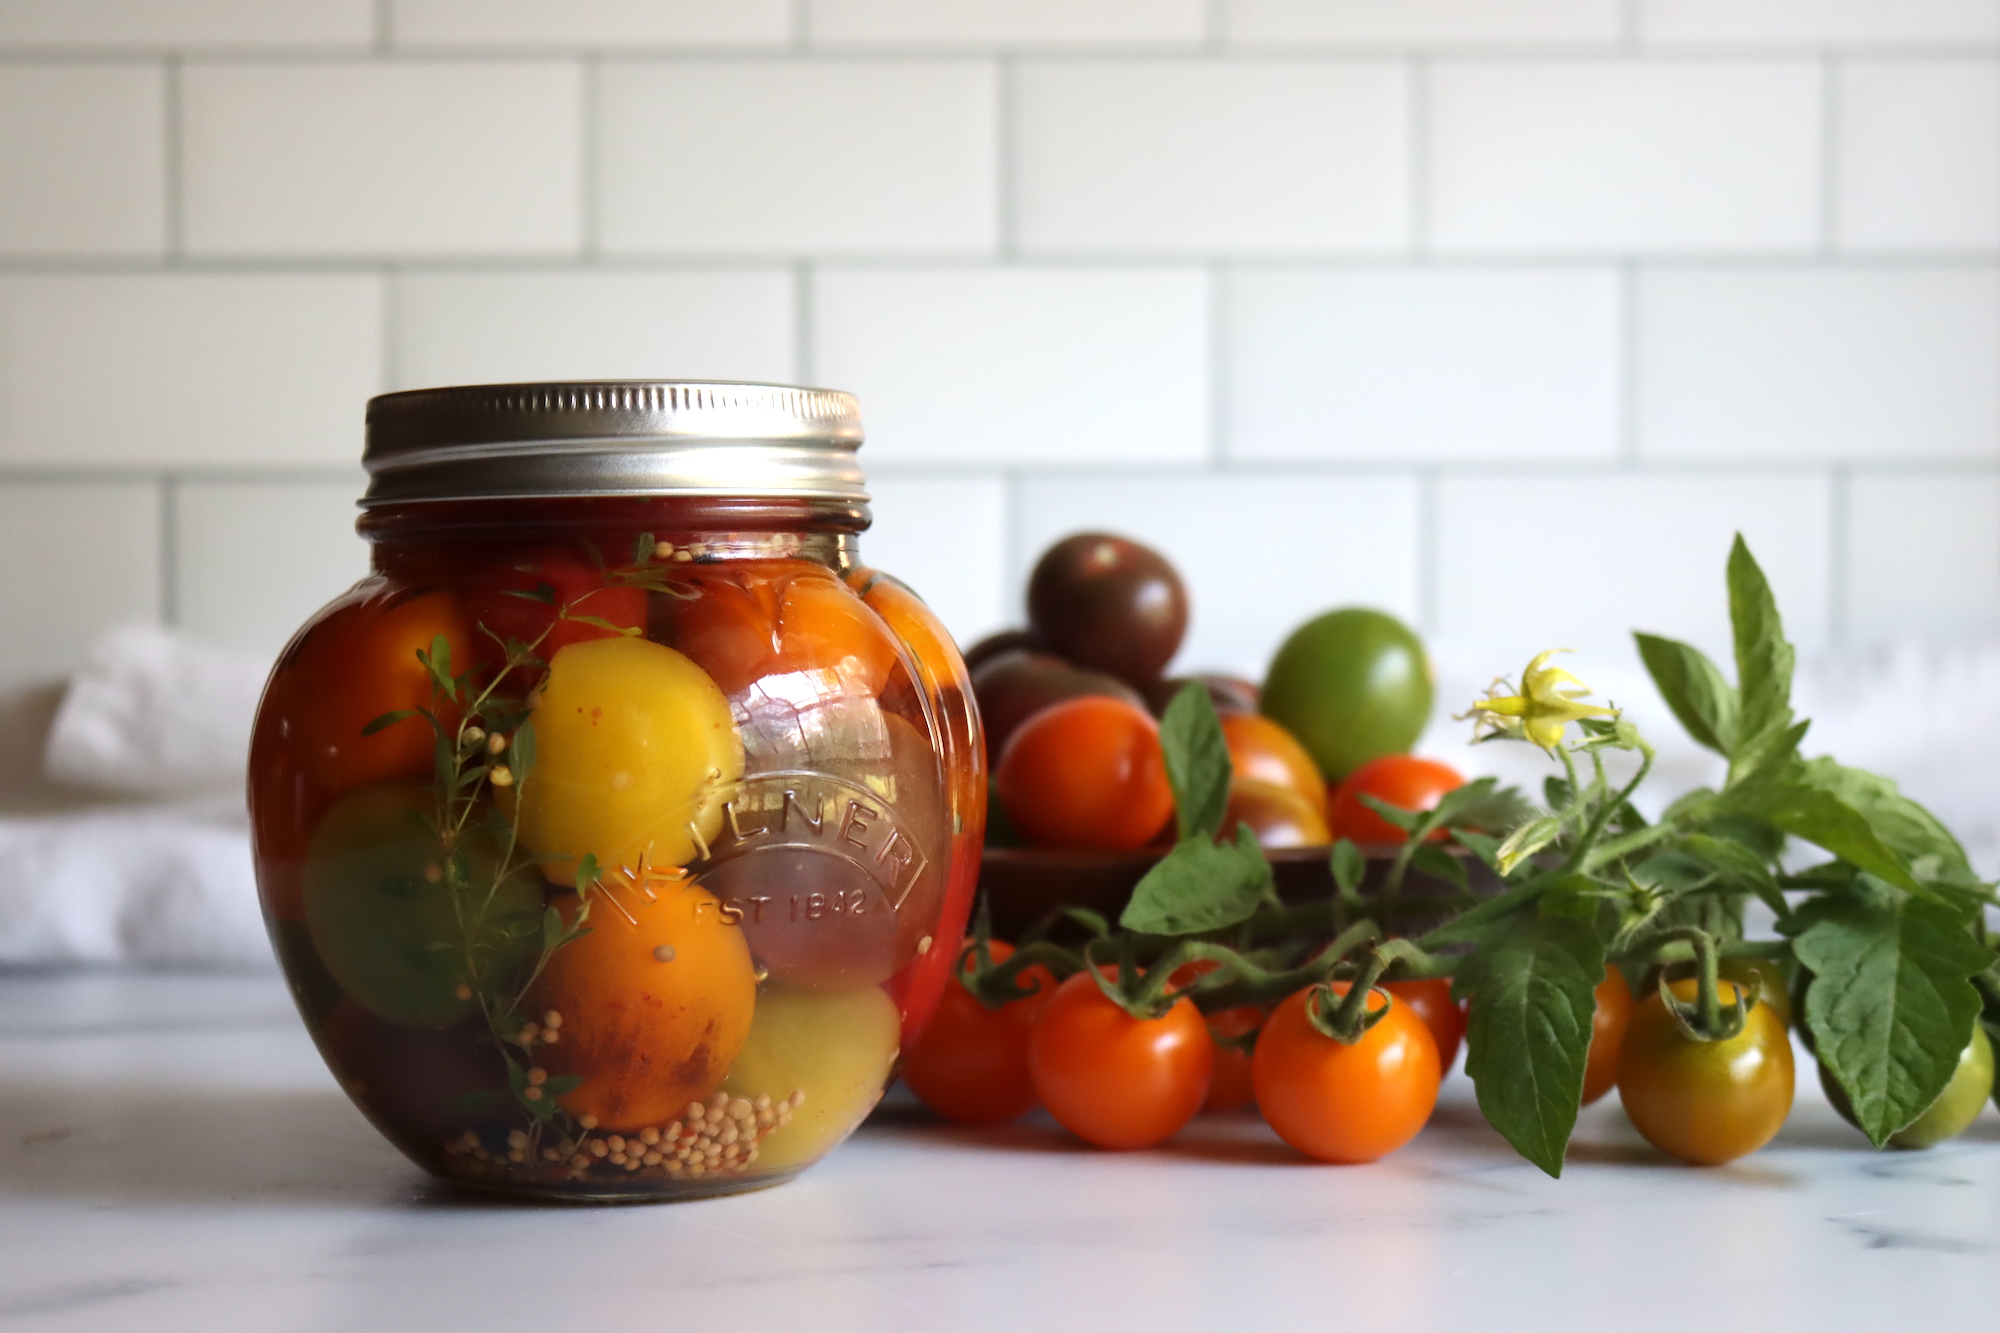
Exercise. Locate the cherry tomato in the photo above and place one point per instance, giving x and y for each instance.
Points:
(1401, 780)
(971, 1065)
(776, 617)
(1232, 1086)
(352, 667)
(1115, 1080)
(1346, 1103)
(1431, 1001)
(1963, 1098)
(1607, 1032)
(572, 581)
(1278, 816)
(1705, 1102)
(1086, 772)
(1262, 750)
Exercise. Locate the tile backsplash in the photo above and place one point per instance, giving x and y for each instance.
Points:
(1500, 314)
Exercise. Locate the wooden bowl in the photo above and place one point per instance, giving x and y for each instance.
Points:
(1025, 884)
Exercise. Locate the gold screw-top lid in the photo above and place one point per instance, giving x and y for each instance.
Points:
(613, 437)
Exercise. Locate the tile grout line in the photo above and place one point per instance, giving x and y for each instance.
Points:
(1829, 156)
(800, 15)
(589, 160)
(1628, 364)
(1628, 25)
(169, 516)
(174, 184)
(1417, 154)
(385, 27)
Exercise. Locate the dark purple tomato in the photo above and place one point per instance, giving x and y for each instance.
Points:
(1015, 686)
(1109, 604)
(996, 643)
(1229, 694)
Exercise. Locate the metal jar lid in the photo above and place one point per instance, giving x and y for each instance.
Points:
(613, 437)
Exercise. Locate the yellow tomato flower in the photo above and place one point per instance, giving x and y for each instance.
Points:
(1546, 705)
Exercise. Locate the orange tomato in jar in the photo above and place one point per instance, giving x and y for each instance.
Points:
(772, 617)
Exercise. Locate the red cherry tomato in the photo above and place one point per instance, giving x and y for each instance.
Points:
(572, 581)
(1346, 1103)
(1115, 1080)
(971, 1065)
(1431, 1002)
(1229, 1087)
(1086, 772)
(1401, 780)
(1607, 1034)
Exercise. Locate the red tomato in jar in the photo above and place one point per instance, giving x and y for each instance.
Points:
(573, 582)
(1401, 780)
(1346, 1103)
(1115, 1080)
(971, 1064)
(1086, 773)
(775, 617)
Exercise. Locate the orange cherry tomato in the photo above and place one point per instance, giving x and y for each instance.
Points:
(1278, 816)
(773, 617)
(1346, 1103)
(1401, 780)
(1705, 1102)
(1607, 1034)
(1086, 773)
(351, 668)
(971, 1064)
(1431, 1001)
(1263, 751)
(1231, 1087)
(1115, 1080)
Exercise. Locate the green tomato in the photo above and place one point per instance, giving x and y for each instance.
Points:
(1352, 685)
(1956, 1107)
(835, 1047)
(387, 923)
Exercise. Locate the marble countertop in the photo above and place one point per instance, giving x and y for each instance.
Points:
(173, 1156)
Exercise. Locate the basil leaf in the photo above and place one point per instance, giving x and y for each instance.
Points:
(1694, 688)
(1531, 985)
(1201, 885)
(1891, 1005)
(1197, 762)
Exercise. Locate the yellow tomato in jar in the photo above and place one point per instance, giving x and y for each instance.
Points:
(834, 1047)
(636, 754)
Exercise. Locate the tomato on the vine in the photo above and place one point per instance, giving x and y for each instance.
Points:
(1115, 1080)
(1229, 1087)
(1088, 773)
(1705, 1102)
(1346, 1103)
(1401, 780)
(1607, 1033)
(971, 1065)
(1430, 1000)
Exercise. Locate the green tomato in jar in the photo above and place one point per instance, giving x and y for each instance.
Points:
(393, 917)
(829, 1053)
(1352, 685)
(1955, 1108)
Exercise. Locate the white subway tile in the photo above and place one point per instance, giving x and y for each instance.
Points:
(1819, 20)
(253, 560)
(1819, 364)
(1260, 553)
(587, 24)
(946, 537)
(1435, 363)
(379, 159)
(95, 550)
(1002, 22)
(1019, 365)
(1527, 563)
(185, 24)
(1254, 156)
(1624, 156)
(786, 156)
(164, 369)
(1918, 165)
(1923, 556)
(83, 152)
(474, 328)
(1434, 22)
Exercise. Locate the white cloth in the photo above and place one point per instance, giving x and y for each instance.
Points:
(155, 713)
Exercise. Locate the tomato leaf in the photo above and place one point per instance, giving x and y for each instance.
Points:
(1201, 885)
(1349, 867)
(1765, 737)
(1531, 984)
(1891, 1005)
(1525, 841)
(1197, 762)
(1739, 868)
(1854, 815)
(1694, 688)
(1435, 861)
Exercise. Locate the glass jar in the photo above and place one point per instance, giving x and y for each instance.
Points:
(617, 832)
